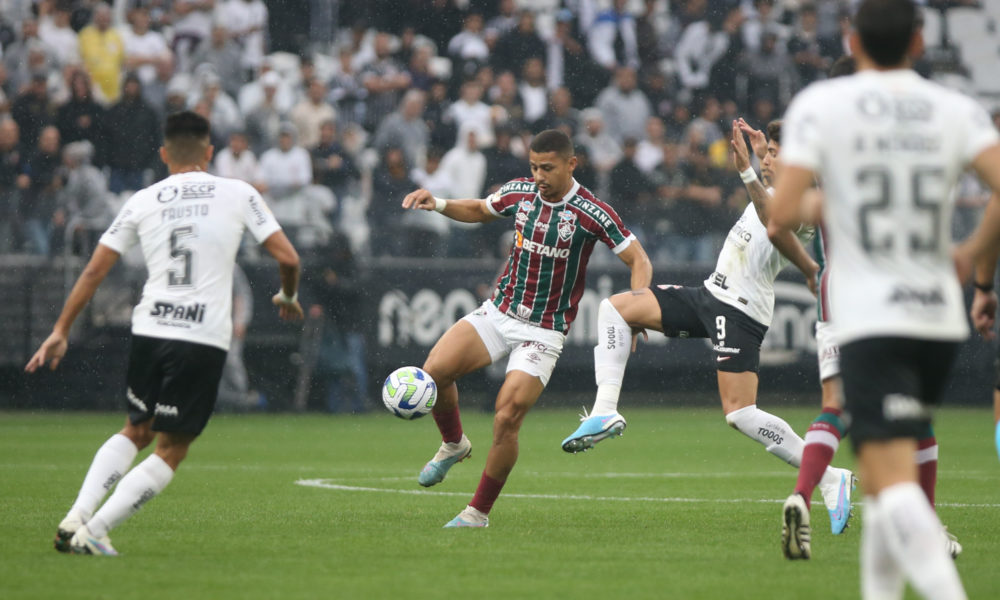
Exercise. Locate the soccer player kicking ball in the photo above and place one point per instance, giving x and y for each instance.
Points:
(734, 308)
(556, 224)
(889, 147)
(189, 227)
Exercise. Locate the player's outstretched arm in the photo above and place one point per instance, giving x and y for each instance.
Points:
(466, 211)
(741, 160)
(758, 140)
(54, 347)
(287, 300)
(634, 256)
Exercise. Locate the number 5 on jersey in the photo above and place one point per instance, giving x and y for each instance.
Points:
(178, 251)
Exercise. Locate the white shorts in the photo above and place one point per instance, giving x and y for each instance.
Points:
(532, 349)
(827, 351)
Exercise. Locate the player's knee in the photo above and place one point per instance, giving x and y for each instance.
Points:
(141, 434)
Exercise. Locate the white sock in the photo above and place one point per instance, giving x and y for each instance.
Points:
(610, 357)
(139, 486)
(881, 577)
(109, 465)
(915, 537)
(777, 436)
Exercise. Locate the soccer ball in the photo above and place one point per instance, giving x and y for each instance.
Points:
(409, 392)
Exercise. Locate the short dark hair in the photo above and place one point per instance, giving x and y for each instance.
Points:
(774, 131)
(552, 140)
(185, 136)
(886, 28)
(843, 66)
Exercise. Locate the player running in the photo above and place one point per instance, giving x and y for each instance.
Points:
(189, 227)
(556, 224)
(983, 313)
(825, 432)
(889, 147)
(734, 308)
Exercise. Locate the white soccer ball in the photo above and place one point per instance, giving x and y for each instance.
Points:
(409, 392)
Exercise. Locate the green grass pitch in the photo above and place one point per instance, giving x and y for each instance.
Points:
(680, 507)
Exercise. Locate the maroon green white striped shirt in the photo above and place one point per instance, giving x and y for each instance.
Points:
(544, 278)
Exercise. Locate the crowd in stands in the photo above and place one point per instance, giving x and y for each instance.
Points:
(335, 109)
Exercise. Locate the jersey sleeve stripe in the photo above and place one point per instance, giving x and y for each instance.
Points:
(625, 244)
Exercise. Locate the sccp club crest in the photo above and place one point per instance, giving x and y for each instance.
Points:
(167, 194)
(567, 225)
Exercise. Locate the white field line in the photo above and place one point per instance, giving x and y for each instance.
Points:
(330, 484)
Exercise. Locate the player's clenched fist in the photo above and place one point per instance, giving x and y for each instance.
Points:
(420, 199)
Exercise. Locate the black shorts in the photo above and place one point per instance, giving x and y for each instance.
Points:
(891, 383)
(173, 382)
(695, 312)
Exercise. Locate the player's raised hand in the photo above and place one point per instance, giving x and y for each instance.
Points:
(741, 155)
(288, 311)
(758, 141)
(51, 351)
(420, 199)
(636, 332)
(984, 313)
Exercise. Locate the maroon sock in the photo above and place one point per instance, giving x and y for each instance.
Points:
(822, 440)
(927, 466)
(449, 424)
(486, 494)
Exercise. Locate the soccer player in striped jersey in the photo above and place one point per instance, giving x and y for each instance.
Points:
(556, 225)
(733, 307)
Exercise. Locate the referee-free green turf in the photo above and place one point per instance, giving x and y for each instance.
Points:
(680, 507)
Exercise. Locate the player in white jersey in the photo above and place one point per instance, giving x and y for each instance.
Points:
(189, 227)
(733, 308)
(889, 147)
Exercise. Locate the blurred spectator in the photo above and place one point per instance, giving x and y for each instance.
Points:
(503, 22)
(624, 107)
(237, 160)
(704, 130)
(693, 215)
(470, 109)
(771, 73)
(55, 31)
(677, 122)
(584, 172)
(246, 21)
(701, 45)
(469, 45)
(568, 64)
(332, 164)
(225, 57)
(311, 112)
(804, 47)
(440, 21)
(284, 170)
(385, 80)
(156, 91)
(270, 86)
(39, 183)
(346, 90)
(518, 45)
(145, 50)
(425, 233)
(612, 38)
(81, 118)
(647, 35)
(534, 96)
(602, 149)
(133, 138)
(436, 116)
(501, 163)
(192, 22)
(465, 165)
(103, 52)
(561, 114)
(629, 186)
(405, 129)
(726, 72)
(10, 169)
(223, 113)
(33, 109)
(390, 184)
(419, 67)
(83, 200)
(506, 100)
(264, 120)
(838, 44)
(176, 95)
(649, 152)
(764, 19)
(17, 56)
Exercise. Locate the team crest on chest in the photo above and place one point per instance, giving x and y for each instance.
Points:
(523, 209)
(567, 225)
